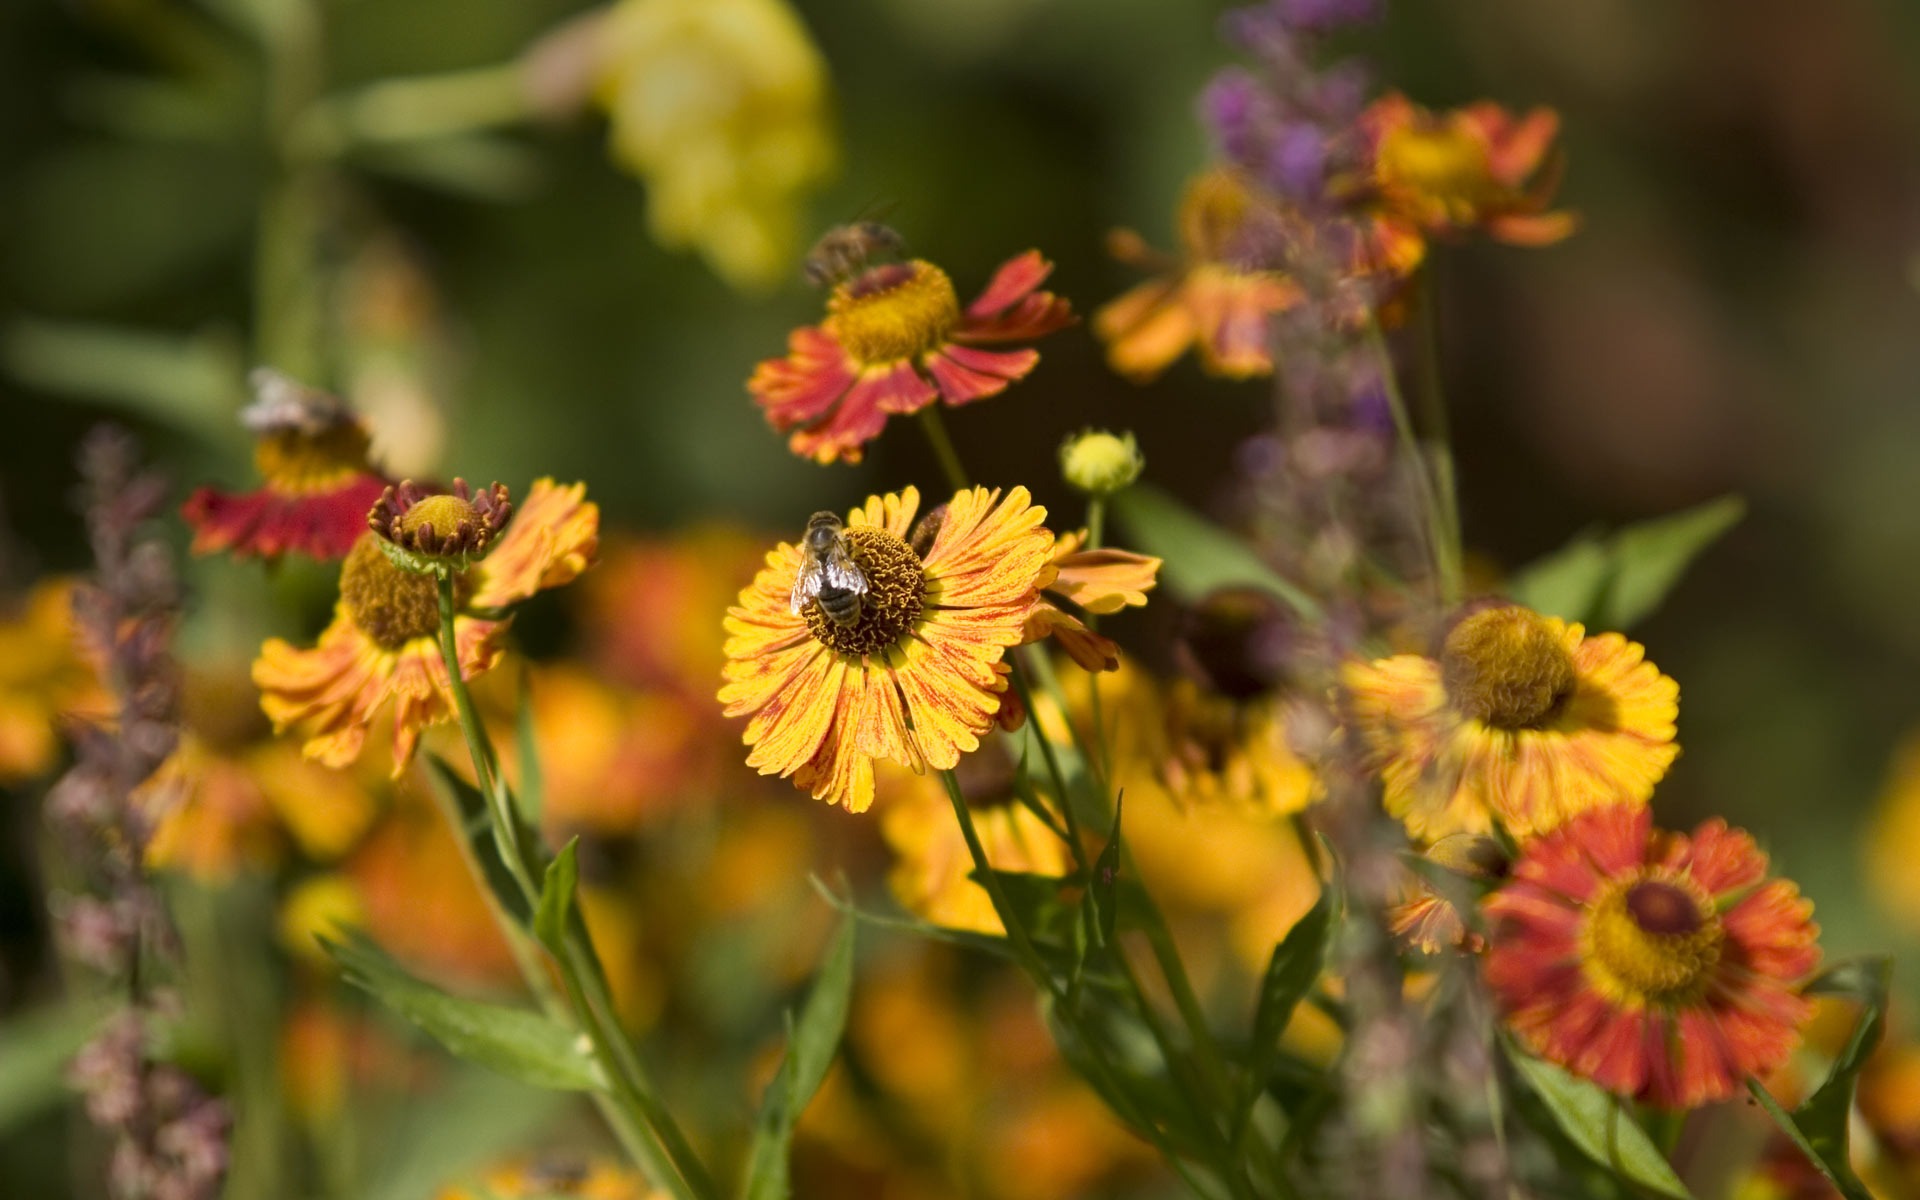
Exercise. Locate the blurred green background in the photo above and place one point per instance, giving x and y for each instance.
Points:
(1738, 313)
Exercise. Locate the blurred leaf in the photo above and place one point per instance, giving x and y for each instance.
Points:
(477, 829)
(1600, 1125)
(476, 1118)
(1038, 904)
(1291, 970)
(476, 166)
(811, 1047)
(35, 1048)
(1819, 1126)
(516, 1042)
(1197, 556)
(551, 919)
(195, 385)
(1103, 888)
(532, 792)
(1613, 582)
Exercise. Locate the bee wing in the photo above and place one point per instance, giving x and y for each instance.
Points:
(842, 572)
(807, 584)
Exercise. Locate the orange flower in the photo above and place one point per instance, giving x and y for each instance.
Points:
(1523, 720)
(383, 642)
(917, 676)
(1478, 167)
(647, 609)
(44, 675)
(1096, 581)
(554, 1178)
(312, 454)
(615, 761)
(1660, 966)
(1213, 300)
(895, 341)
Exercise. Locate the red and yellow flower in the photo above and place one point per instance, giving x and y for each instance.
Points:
(918, 677)
(1214, 299)
(312, 456)
(1661, 966)
(897, 340)
(1521, 722)
(1445, 174)
(382, 645)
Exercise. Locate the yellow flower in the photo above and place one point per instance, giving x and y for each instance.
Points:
(1227, 751)
(721, 106)
(43, 676)
(554, 1178)
(320, 906)
(383, 642)
(1892, 837)
(917, 677)
(1523, 721)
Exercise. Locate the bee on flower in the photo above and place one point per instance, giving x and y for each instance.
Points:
(382, 646)
(318, 480)
(896, 340)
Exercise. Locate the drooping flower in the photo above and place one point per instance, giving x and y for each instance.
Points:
(44, 675)
(317, 480)
(382, 644)
(1661, 966)
(721, 106)
(1472, 168)
(1217, 298)
(917, 676)
(1429, 920)
(1099, 581)
(896, 340)
(1522, 721)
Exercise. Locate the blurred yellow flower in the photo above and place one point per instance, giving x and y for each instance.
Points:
(1893, 835)
(43, 675)
(721, 106)
(552, 1178)
(319, 906)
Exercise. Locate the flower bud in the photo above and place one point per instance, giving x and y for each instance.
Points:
(428, 533)
(1101, 463)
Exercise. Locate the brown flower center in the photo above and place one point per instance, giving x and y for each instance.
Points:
(901, 310)
(391, 606)
(1507, 667)
(298, 463)
(1652, 941)
(896, 589)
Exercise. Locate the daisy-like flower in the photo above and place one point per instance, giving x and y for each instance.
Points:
(1214, 299)
(1478, 167)
(1523, 721)
(1662, 967)
(897, 340)
(383, 646)
(318, 482)
(916, 676)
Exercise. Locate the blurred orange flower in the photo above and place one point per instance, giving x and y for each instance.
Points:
(45, 674)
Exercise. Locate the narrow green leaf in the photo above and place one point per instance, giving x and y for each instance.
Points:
(190, 384)
(1600, 1125)
(812, 1043)
(1568, 583)
(476, 1118)
(1295, 964)
(1197, 556)
(1650, 557)
(1038, 903)
(556, 897)
(1839, 1174)
(532, 793)
(513, 1041)
(35, 1048)
(477, 828)
(1103, 888)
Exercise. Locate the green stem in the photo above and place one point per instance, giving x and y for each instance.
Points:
(645, 1128)
(935, 428)
(416, 109)
(1433, 408)
(1096, 520)
(1442, 542)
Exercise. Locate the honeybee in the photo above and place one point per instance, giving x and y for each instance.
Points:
(281, 404)
(843, 251)
(827, 571)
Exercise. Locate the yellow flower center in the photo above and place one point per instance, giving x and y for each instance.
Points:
(1652, 941)
(1507, 667)
(1442, 164)
(896, 589)
(391, 606)
(443, 513)
(901, 310)
(299, 464)
(1213, 209)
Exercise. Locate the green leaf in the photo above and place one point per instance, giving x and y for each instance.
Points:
(1198, 556)
(476, 1118)
(1600, 1125)
(1819, 1126)
(1614, 582)
(35, 1048)
(513, 1041)
(1103, 888)
(551, 919)
(532, 793)
(1039, 904)
(476, 826)
(189, 384)
(811, 1045)
(1295, 964)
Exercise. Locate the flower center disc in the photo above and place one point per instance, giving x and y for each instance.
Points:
(391, 606)
(1506, 667)
(1652, 941)
(297, 463)
(444, 513)
(896, 589)
(1443, 165)
(901, 310)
